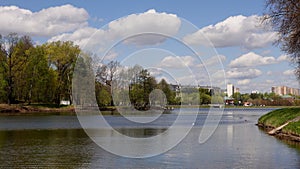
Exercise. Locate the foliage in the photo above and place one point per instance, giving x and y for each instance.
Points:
(62, 57)
(40, 74)
(140, 89)
(170, 95)
(103, 95)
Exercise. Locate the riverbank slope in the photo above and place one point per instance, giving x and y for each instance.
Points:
(15, 109)
(282, 123)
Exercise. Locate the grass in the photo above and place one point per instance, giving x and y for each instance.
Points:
(278, 117)
(292, 128)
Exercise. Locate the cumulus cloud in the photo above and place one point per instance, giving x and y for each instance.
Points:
(289, 72)
(177, 62)
(243, 82)
(143, 26)
(247, 32)
(214, 60)
(283, 58)
(237, 73)
(46, 22)
(251, 59)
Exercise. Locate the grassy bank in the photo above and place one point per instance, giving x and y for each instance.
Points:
(16, 109)
(279, 117)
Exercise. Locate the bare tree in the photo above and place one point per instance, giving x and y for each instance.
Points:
(284, 16)
(106, 73)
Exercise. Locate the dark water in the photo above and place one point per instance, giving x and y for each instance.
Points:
(58, 142)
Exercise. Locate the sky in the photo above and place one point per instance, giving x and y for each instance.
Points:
(204, 42)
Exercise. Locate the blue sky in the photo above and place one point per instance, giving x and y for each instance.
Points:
(249, 59)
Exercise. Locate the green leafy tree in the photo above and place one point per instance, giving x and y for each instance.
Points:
(237, 98)
(102, 95)
(140, 89)
(205, 96)
(63, 56)
(40, 78)
(13, 55)
(170, 95)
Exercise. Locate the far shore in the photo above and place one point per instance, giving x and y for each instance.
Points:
(22, 109)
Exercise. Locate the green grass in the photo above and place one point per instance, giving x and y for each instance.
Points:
(279, 117)
(292, 128)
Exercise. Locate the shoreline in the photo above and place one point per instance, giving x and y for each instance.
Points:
(18, 109)
(44, 108)
(278, 123)
(279, 134)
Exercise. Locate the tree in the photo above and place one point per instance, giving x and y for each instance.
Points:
(284, 16)
(20, 60)
(140, 88)
(13, 58)
(40, 78)
(165, 87)
(237, 98)
(62, 57)
(3, 61)
(106, 72)
(102, 95)
(205, 96)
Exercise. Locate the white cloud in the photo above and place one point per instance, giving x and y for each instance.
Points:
(46, 22)
(177, 62)
(214, 60)
(79, 37)
(148, 22)
(283, 58)
(289, 72)
(136, 26)
(251, 59)
(244, 82)
(238, 30)
(237, 73)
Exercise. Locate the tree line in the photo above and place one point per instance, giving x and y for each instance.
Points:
(266, 99)
(134, 82)
(35, 73)
(141, 89)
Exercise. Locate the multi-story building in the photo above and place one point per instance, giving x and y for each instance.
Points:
(230, 90)
(284, 90)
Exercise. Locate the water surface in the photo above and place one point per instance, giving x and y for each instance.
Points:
(59, 142)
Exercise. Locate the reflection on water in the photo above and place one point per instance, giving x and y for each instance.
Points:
(45, 148)
(141, 132)
(237, 143)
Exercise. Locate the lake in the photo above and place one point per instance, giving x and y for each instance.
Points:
(59, 142)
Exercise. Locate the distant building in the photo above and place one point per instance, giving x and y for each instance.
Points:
(230, 90)
(237, 90)
(213, 90)
(288, 97)
(229, 100)
(255, 91)
(284, 90)
(176, 88)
